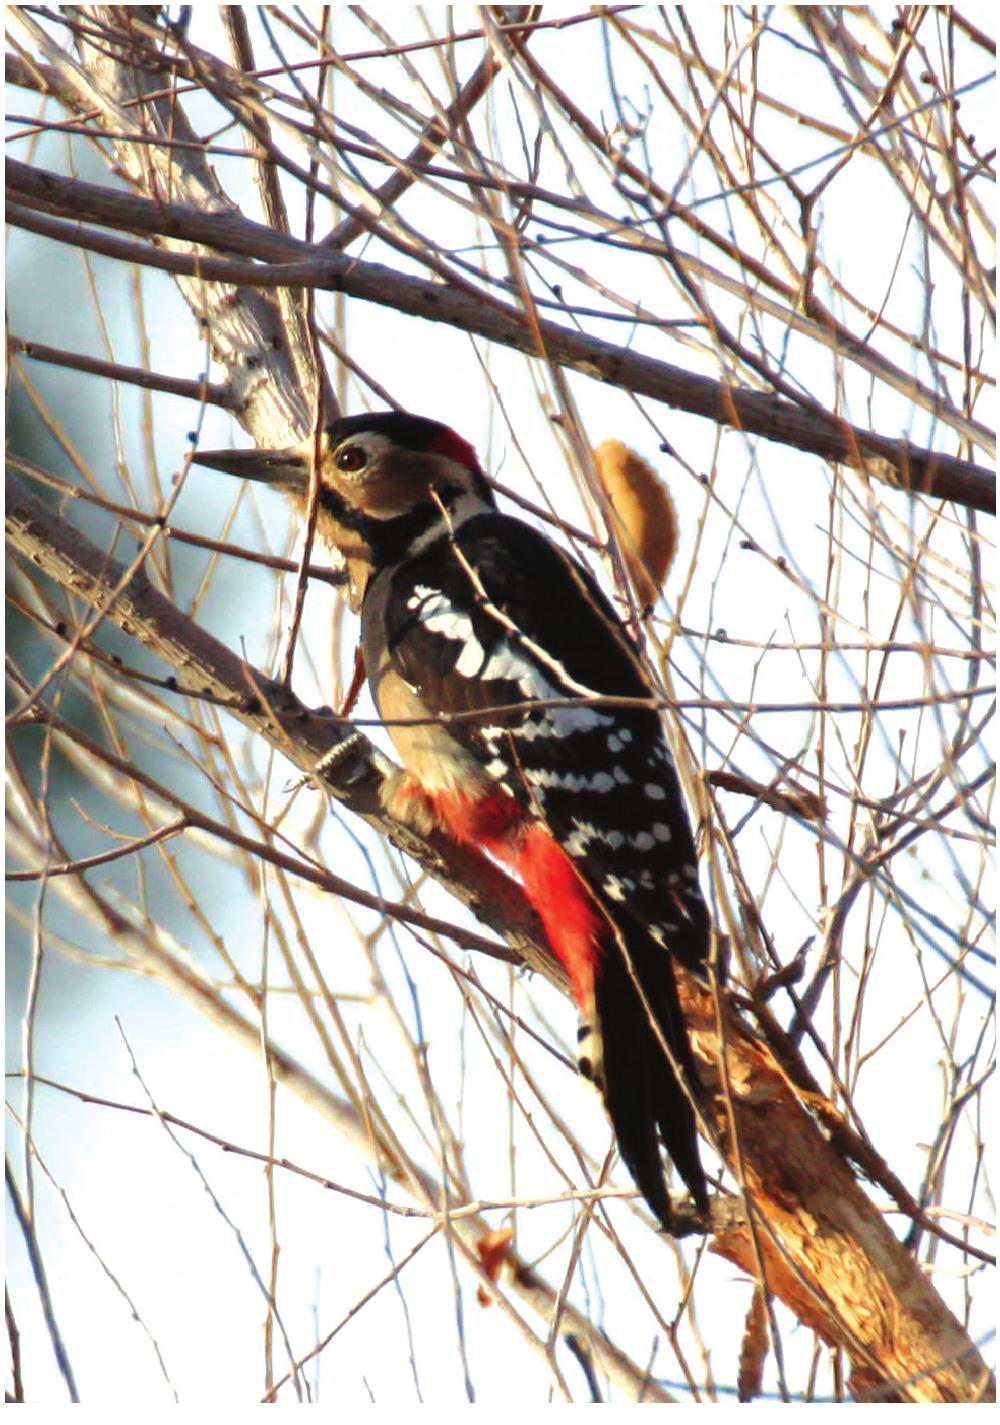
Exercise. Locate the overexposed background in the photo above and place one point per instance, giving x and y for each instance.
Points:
(796, 583)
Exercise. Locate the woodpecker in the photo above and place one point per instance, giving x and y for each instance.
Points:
(552, 767)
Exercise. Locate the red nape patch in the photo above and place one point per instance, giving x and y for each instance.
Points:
(453, 447)
(572, 921)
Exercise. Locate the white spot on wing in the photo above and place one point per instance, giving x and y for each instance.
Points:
(577, 841)
(546, 777)
(439, 615)
(573, 781)
(504, 664)
(564, 721)
(555, 722)
(472, 657)
(420, 593)
(616, 887)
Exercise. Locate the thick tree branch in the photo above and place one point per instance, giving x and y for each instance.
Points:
(281, 260)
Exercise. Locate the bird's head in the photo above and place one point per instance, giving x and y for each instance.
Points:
(385, 482)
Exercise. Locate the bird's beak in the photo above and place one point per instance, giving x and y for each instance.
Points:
(286, 469)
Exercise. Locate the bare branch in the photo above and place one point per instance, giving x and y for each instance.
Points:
(810, 429)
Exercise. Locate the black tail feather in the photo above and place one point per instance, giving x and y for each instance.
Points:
(641, 1090)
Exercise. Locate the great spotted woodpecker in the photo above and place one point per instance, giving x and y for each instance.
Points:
(468, 611)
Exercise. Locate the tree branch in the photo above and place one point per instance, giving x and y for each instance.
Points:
(827, 1250)
(282, 260)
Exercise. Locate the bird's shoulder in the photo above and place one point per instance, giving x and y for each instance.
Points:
(499, 584)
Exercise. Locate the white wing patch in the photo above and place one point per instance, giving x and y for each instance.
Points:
(507, 664)
(439, 615)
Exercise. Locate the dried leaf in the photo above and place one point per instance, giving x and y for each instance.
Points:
(753, 1349)
(492, 1248)
(644, 519)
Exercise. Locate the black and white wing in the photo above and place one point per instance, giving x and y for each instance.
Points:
(495, 617)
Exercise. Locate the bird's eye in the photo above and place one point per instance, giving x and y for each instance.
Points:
(351, 459)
